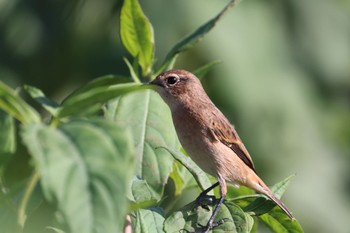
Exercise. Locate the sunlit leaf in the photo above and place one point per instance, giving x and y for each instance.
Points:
(149, 118)
(136, 33)
(15, 106)
(82, 166)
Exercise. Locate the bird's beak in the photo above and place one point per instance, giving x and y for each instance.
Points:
(156, 82)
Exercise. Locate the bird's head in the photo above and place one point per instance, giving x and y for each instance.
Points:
(178, 86)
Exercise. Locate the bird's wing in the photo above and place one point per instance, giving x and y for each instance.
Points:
(225, 133)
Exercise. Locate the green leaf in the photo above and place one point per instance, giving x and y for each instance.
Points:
(48, 104)
(191, 217)
(280, 188)
(241, 221)
(150, 120)
(147, 220)
(199, 175)
(279, 222)
(85, 168)
(202, 71)
(143, 193)
(100, 94)
(16, 107)
(136, 34)
(104, 81)
(8, 134)
(193, 38)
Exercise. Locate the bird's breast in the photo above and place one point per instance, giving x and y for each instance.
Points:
(194, 138)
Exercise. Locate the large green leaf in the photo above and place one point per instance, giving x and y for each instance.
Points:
(88, 98)
(149, 117)
(147, 221)
(193, 38)
(103, 81)
(85, 168)
(136, 33)
(97, 94)
(15, 106)
(192, 217)
(7, 135)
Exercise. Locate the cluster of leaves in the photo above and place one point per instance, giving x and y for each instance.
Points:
(108, 150)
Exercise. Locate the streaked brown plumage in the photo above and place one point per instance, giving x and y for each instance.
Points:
(207, 136)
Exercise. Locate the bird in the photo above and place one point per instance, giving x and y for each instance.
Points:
(209, 138)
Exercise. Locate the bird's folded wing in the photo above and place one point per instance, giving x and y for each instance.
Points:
(226, 134)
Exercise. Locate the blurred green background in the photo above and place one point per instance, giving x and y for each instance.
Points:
(284, 80)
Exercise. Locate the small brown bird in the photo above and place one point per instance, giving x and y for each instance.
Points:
(208, 137)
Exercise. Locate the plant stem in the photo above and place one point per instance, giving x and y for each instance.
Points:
(26, 196)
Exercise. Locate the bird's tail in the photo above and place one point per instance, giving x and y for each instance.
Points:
(279, 203)
(261, 187)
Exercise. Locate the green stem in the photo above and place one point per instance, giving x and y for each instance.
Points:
(54, 122)
(25, 199)
(132, 71)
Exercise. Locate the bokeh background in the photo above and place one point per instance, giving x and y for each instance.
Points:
(283, 80)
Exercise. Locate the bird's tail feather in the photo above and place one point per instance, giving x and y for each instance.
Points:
(280, 204)
(261, 187)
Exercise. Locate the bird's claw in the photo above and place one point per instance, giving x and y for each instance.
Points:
(202, 200)
(210, 226)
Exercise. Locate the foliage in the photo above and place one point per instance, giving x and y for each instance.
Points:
(108, 150)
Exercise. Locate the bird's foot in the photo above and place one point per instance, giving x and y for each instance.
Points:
(204, 200)
(211, 225)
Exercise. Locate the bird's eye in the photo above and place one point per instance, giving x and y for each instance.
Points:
(172, 80)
